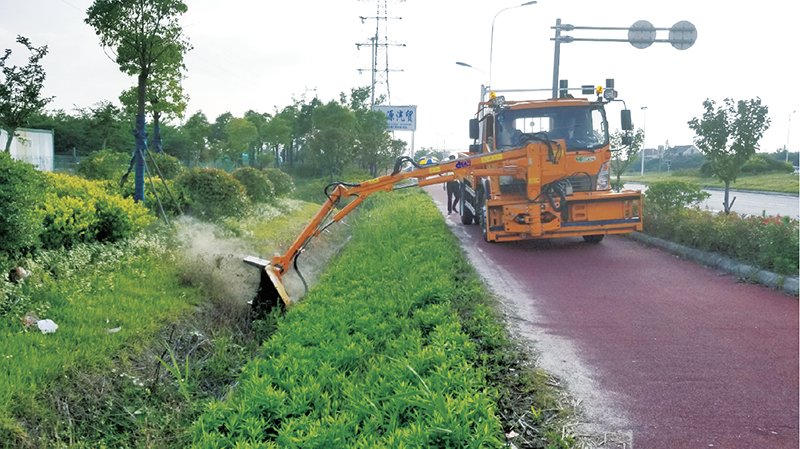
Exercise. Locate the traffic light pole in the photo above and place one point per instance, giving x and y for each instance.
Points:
(641, 34)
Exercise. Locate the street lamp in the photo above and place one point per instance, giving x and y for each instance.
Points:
(491, 43)
(484, 87)
(644, 135)
(788, 133)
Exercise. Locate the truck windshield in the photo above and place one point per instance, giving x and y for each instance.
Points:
(581, 127)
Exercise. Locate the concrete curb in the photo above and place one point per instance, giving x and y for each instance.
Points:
(786, 284)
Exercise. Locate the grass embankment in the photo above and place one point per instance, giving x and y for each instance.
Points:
(398, 346)
(97, 381)
(107, 300)
(770, 182)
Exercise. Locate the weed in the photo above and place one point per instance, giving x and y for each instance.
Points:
(182, 378)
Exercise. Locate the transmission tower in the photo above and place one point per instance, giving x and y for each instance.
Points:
(379, 45)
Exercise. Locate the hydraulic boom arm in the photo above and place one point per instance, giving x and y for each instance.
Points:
(478, 165)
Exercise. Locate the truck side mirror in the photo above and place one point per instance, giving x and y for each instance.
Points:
(474, 133)
(627, 139)
(475, 148)
(627, 124)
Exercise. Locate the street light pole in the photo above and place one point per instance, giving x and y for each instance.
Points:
(484, 87)
(491, 42)
(644, 136)
(788, 133)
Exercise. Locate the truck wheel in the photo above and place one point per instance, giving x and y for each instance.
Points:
(483, 222)
(593, 238)
(466, 214)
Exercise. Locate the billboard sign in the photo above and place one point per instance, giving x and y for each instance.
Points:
(399, 118)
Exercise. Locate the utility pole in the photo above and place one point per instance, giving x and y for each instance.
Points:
(379, 45)
(644, 136)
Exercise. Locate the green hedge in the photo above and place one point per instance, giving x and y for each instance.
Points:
(80, 211)
(213, 193)
(768, 243)
(282, 182)
(51, 210)
(259, 188)
(21, 191)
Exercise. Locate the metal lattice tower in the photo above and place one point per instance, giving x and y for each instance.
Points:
(379, 45)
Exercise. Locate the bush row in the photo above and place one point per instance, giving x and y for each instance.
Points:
(49, 211)
(207, 193)
(670, 213)
(756, 165)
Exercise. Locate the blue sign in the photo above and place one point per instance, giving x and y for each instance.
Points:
(399, 118)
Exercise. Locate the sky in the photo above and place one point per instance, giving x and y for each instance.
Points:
(263, 54)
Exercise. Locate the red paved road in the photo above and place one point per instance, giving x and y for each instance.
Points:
(690, 357)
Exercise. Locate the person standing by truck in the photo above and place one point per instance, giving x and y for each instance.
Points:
(453, 193)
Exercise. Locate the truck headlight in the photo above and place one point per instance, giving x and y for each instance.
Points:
(603, 177)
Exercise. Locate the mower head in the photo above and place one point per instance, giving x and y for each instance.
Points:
(270, 289)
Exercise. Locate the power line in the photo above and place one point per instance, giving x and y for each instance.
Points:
(380, 44)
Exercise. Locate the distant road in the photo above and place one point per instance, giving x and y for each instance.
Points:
(747, 202)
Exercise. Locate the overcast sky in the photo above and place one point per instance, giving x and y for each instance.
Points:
(259, 54)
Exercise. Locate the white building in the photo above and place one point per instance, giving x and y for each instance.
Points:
(34, 146)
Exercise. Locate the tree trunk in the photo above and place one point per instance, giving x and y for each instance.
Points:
(11, 132)
(157, 133)
(140, 135)
(726, 204)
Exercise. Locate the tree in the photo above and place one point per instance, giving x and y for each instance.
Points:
(303, 121)
(622, 155)
(147, 38)
(196, 131)
(241, 133)
(289, 116)
(256, 146)
(106, 120)
(218, 136)
(332, 137)
(20, 91)
(728, 136)
(165, 99)
(275, 133)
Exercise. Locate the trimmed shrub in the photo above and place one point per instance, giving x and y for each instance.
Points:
(78, 210)
(780, 248)
(20, 193)
(118, 218)
(169, 166)
(259, 187)
(760, 164)
(106, 164)
(67, 220)
(212, 193)
(664, 197)
(770, 244)
(283, 183)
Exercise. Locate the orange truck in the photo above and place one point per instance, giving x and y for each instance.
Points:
(560, 186)
(538, 169)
